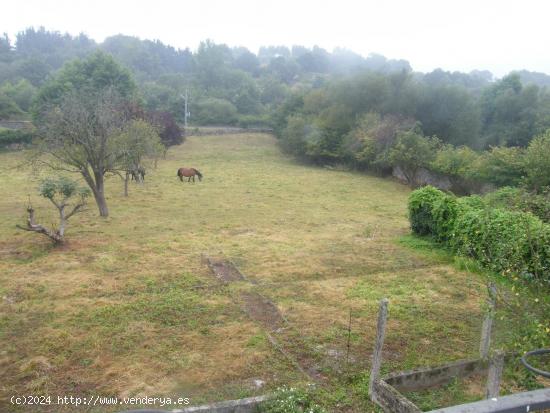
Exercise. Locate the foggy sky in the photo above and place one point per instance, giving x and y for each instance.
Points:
(455, 35)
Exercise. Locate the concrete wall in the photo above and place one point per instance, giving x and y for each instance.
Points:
(222, 130)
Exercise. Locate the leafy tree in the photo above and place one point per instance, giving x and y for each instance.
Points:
(509, 112)
(22, 93)
(6, 48)
(246, 61)
(501, 166)
(137, 141)
(286, 70)
(78, 135)
(213, 111)
(62, 193)
(8, 107)
(455, 162)
(169, 131)
(537, 162)
(295, 135)
(411, 152)
(34, 69)
(91, 77)
(451, 113)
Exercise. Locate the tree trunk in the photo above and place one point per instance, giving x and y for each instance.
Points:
(97, 188)
(99, 195)
(62, 221)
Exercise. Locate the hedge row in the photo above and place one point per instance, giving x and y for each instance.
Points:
(503, 241)
(9, 137)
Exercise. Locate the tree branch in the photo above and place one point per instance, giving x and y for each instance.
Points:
(32, 226)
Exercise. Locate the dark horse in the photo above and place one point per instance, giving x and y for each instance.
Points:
(189, 173)
(138, 174)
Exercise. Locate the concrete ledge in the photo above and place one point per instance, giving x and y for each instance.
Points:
(391, 400)
(428, 377)
(531, 401)
(248, 405)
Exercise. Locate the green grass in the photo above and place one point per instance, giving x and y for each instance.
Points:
(128, 308)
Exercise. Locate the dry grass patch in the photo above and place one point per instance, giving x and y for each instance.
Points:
(127, 307)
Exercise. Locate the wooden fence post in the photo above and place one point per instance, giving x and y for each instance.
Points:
(496, 364)
(487, 326)
(377, 354)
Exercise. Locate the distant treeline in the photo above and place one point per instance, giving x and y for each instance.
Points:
(233, 86)
(227, 86)
(326, 107)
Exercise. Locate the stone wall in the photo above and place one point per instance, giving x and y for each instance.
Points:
(445, 183)
(16, 124)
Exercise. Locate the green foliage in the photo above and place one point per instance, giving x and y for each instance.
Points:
(138, 140)
(412, 151)
(455, 162)
(537, 162)
(91, 76)
(511, 112)
(214, 111)
(10, 136)
(519, 199)
(21, 92)
(8, 107)
(51, 188)
(506, 242)
(296, 135)
(449, 111)
(420, 207)
(501, 166)
(291, 400)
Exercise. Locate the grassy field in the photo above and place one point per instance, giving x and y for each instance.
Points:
(128, 307)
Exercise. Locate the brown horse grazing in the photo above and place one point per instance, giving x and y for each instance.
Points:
(189, 173)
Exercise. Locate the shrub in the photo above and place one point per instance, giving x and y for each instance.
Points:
(501, 240)
(412, 151)
(537, 162)
(471, 202)
(214, 111)
(10, 137)
(505, 241)
(501, 166)
(445, 210)
(421, 203)
(519, 199)
(455, 162)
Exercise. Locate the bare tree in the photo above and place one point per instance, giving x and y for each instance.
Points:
(79, 135)
(59, 191)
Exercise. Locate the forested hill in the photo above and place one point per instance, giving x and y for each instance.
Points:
(331, 91)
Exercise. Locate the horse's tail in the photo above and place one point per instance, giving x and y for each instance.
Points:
(198, 173)
(179, 175)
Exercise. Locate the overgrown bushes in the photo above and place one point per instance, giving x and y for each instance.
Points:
(501, 240)
(9, 137)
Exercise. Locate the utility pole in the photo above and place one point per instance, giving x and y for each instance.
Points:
(186, 114)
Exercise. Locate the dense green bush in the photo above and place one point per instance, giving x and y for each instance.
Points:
(501, 240)
(10, 137)
(214, 111)
(537, 162)
(421, 203)
(501, 166)
(455, 162)
(519, 199)
(505, 241)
